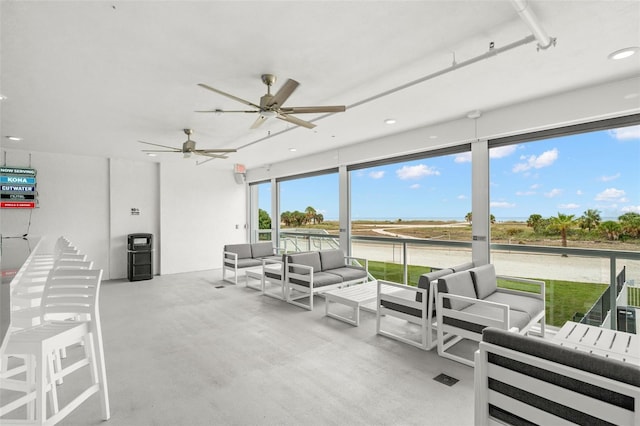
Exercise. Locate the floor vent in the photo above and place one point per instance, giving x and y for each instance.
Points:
(219, 286)
(444, 379)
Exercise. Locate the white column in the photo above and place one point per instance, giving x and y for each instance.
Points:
(345, 209)
(481, 226)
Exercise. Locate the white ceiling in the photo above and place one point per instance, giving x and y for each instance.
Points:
(93, 77)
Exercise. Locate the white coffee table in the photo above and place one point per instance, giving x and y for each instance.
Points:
(356, 296)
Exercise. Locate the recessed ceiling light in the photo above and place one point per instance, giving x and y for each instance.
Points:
(623, 53)
(151, 154)
(14, 138)
(630, 96)
(292, 149)
(433, 137)
(390, 121)
(2, 97)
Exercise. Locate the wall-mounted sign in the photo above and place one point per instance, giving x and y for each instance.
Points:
(18, 188)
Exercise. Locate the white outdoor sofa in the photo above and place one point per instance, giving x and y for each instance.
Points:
(469, 301)
(416, 305)
(236, 257)
(522, 380)
(314, 272)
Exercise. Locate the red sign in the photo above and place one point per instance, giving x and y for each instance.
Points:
(17, 205)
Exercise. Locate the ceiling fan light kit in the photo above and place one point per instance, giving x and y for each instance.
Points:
(271, 105)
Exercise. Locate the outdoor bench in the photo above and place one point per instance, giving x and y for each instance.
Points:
(314, 272)
(415, 305)
(247, 255)
(525, 380)
(469, 301)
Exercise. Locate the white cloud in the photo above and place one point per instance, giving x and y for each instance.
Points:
(415, 186)
(376, 174)
(631, 209)
(609, 178)
(545, 159)
(461, 197)
(553, 193)
(610, 194)
(535, 186)
(416, 172)
(626, 133)
(502, 204)
(569, 206)
(522, 193)
(579, 192)
(465, 157)
(502, 151)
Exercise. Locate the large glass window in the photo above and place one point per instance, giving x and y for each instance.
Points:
(309, 205)
(415, 200)
(261, 211)
(580, 191)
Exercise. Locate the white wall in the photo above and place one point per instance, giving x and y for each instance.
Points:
(200, 210)
(73, 201)
(132, 185)
(89, 200)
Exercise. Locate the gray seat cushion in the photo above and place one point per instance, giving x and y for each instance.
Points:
(247, 263)
(399, 307)
(349, 273)
(530, 305)
(242, 250)
(458, 283)
(261, 249)
(311, 258)
(331, 259)
(320, 279)
(484, 280)
(516, 318)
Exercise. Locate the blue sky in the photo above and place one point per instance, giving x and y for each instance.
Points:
(598, 170)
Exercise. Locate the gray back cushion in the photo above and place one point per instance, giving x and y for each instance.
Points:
(311, 258)
(484, 280)
(462, 267)
(262, 249)
(425, 281)
(242, 250)
(458, 283)
(331, 259)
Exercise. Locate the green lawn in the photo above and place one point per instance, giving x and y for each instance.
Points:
(563, 298)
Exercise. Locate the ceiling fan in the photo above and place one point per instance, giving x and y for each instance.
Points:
(189, 147)
(272, 105)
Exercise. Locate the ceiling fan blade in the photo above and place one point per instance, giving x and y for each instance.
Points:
(224, 111)
(261, 119)
(206, 154)
(228, 95)
(163, 146)
(283, 94)
(159, 150)
(313, 109)
(216, 150)
(294, 120)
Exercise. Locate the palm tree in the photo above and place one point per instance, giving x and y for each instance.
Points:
(468, 217)
(611, 229)
(310, 213)
(534, 220)
(630, 223)
(590, 219)
(562, 223)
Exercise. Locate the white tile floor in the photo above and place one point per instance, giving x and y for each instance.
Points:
(181, 351)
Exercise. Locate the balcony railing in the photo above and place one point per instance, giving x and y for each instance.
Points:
(576, 277)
